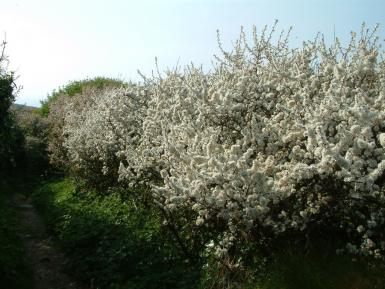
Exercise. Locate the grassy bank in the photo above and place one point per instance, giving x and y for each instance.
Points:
(293, 269)
(15, 272)
(111, 241)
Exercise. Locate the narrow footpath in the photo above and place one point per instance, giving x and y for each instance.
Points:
(45, 260)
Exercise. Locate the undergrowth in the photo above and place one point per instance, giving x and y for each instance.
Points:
(111, 241)
(15, 273)
(114, 243)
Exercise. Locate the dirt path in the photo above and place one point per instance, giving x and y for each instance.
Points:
(45, 260)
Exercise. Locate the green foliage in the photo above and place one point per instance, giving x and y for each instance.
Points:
(112, 241)
(6, 96)
(34, 129)
(293, 267)
(76, 87)
(14, 271)
(316, 269)
(11, 138)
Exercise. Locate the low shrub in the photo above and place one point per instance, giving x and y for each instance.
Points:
(34, 130)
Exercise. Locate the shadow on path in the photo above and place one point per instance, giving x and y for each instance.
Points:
(45, 260)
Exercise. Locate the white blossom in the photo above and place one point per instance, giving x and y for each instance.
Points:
(268, 125)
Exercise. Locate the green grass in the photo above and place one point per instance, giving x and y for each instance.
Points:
(15, 273)
(111, 241)
(293, 269)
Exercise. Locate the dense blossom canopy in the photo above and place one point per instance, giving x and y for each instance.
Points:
(273, 140)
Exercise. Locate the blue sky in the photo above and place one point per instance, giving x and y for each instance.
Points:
(52, 42)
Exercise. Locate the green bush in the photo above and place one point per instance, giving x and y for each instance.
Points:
(111, 241)
(54, 108)
(34, 129)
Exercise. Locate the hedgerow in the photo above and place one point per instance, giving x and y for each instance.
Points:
(273, 144)
(54, 109)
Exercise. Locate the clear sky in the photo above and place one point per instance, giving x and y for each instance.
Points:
(51, 42)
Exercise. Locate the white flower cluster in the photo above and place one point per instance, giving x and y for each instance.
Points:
(103, 128)
(273, 138)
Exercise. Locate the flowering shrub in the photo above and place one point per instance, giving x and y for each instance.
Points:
(55, 109)
(97, 131)
(273, 142)
(77, 87)
(278, 139)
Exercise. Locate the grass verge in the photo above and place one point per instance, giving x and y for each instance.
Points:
(292, 269)
(110, 241)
